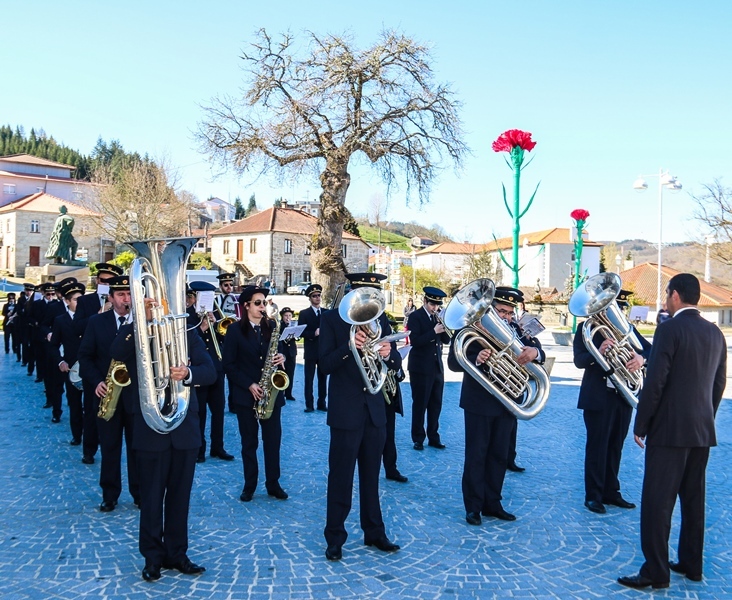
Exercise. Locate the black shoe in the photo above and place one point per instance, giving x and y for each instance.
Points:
(107, 505)
(512, 466)
(55, 419)
(246, 496)
(333, 553)
(185, 566)
(309, 409)
(383, 544)
(438, 445)
(418, 446)
(151, 572)
(621, 502)
(473, 518)
(222, 454)
(397, 477)
(679, 568)
(75, 442)
(278, 493)
(201, 458)
(87, 460)
(323, 408)
(38, 380)
(499, 514)
(639, 582)
(292, 399)
(596, 507)
(48, 405)
(136, 502)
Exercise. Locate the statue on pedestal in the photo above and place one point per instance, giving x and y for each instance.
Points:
(62, 246)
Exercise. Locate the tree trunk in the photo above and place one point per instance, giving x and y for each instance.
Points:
(327, 258)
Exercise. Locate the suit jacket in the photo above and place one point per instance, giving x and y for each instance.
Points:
(289, 348)
(94, 354)
(594, 380)
(187, 436)
(207, 338)
(474, 397)
(346, 391)
(87, 306)
(686, 377)
(308, 317)
(426, 353)
(67, 336)
(243, 361)
(53, 309)
(9, 311)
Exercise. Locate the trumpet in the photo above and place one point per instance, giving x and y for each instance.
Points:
(225, 322)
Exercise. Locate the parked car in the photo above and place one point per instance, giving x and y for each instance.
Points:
(298, 288)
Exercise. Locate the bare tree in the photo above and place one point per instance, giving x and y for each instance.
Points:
(714, 211)
(317, 110)
(378, 207)
(479, 263)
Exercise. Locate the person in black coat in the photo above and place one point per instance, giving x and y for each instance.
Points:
(245, 352)
(25, 303)
(488, 424)
(289, 349)
(357, 421)
(311, 317)
(426, 372)
(686, 377)
(38, 310)
(66, 336)
(94, 362)
(394, 406)
(166, 462)
(9, 316)
(607, 417)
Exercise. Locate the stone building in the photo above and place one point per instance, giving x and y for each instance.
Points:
(275, 244)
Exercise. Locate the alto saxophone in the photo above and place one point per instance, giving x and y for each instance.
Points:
(117, 378)
(273, 380)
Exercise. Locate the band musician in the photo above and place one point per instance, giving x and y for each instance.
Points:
(311, 316)
(289, 349)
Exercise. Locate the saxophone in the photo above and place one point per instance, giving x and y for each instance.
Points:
(273, 380)
(117, 378)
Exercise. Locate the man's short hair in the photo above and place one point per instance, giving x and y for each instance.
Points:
(686, 286)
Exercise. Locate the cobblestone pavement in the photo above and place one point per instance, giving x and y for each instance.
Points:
(56, 544)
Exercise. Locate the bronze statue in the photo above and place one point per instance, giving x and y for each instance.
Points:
(62, 246)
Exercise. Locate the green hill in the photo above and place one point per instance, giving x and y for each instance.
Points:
(393, 240)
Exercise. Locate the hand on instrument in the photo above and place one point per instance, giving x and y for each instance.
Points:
(179, 373)
(635, 363)
(483, 356)
(101, 390)
(360, 339)
(528, 354)
(439, 328)
(384, 350)
(639, 440)
(256, 391)
(606, 345)
(278, 360)
(64, 367)
(317, 332)
(149, 304)
(204, 324)
(48, 337)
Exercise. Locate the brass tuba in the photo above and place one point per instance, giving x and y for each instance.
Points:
(522, 389)
(595, 299)
(273, 380)
(159, 272)
(361, 308)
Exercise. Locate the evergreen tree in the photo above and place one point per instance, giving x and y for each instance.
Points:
(251, 207)
(238, 209)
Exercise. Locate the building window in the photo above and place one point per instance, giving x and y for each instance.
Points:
(226, 246)
(307, 250)
(253, 246)
(288, 246)
(9, 188)
(35, 226)
(288, 278)
(344, 250)
(306, 275)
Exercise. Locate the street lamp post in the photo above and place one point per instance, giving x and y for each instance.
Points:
(665, 180)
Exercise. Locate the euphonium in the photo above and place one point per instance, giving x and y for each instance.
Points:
(595, 299)
(273, 380)
(361, 308)
(522, 389)
(117, 378)
(159, 272)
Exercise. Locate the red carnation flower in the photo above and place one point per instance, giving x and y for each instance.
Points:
(513, 138)
(579, 214)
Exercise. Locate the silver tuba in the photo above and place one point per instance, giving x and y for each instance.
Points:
(522, 389)
(595, 299)
(159, 272)
(361, 308)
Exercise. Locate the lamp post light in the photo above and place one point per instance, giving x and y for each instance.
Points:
(668, 181)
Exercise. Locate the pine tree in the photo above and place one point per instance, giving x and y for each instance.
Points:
(238, 209)
(251, 207)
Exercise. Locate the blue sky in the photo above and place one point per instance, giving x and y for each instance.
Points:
(609, 90)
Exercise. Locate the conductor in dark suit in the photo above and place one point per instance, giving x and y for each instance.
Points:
(606, 415)
(357, 421)
(289, 349)
(166, 462)
(426, 372)
(488, 424)
(311, 316)
(684, 384)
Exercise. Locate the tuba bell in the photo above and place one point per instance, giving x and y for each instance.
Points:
(159, 272)
(595, 299)
(522, 389)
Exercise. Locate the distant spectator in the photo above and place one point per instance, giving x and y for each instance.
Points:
(662, 315)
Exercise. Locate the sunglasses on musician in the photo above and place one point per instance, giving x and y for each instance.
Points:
(256, 302)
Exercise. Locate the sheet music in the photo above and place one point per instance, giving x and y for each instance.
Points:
(292, 330)
(403, 351)
(205, 301)
(530, 325)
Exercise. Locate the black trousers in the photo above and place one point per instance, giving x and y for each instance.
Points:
(213, 397)
(290, 363)
(38, 347)
(606, 433)
(271, 439)
(111, 434)
(426, 397)
(166, 479)
(670, 472)
(390, 450)
(310, 367)
(487, 440)
(29, 355)
(74, 399)
(53, 385)
(348, 447)
(90, 442)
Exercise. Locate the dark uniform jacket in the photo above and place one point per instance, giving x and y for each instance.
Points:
(67, 336)
(310, 344)
(87, 306)
(426, 353)
(346, 390)
(94, 355)
(673, 411)
(594, 381)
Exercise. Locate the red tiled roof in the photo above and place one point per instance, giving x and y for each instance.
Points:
(29, 159)
(282, 220)
(643, 281)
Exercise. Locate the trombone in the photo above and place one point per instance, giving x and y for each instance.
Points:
(226, 320)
